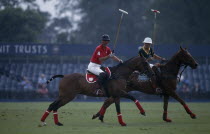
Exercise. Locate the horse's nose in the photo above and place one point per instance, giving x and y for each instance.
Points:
(196, 64)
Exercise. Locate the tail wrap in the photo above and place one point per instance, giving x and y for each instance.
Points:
(55, 76)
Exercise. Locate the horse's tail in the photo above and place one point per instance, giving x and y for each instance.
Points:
(55, 76)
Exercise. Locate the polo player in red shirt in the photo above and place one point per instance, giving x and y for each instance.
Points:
(101, 54)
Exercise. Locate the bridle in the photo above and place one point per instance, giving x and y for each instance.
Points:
(179, 75)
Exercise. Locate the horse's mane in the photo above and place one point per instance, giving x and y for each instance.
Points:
(173, 57)
(124, 63)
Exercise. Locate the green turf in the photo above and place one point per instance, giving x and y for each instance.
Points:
(23, 118)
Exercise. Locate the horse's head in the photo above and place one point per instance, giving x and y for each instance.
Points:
(186, 58)
(140, 64)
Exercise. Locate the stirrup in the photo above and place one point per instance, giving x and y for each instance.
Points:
(158, 91)
(99, 92)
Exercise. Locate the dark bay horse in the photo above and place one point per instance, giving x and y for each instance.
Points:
(73, 84)
(167, 80)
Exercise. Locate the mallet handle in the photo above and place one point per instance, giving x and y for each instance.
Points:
(118, 29)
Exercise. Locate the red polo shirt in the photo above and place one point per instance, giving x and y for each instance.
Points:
(99, 52)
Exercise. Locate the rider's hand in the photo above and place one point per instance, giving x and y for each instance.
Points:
(150, 59)
(121, 61)
(163, 59)
(157, 64)
(111, 55)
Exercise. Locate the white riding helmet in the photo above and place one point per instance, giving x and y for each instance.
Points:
(147, 40)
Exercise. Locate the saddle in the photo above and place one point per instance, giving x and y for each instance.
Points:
(92, 78)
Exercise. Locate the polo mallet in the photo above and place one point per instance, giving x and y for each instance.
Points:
(118, 30)
(155, 25)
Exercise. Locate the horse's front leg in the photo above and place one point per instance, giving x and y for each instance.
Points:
(175, 96)
(128, 96)
(165, 107)
(102, 111)
(110, 100)
(119, 115)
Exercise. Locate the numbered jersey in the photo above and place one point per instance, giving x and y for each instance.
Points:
(99, 52)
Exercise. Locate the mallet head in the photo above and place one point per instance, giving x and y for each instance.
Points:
(155, 11)
(122, 11)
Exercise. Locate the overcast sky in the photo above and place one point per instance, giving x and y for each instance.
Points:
(48, 6)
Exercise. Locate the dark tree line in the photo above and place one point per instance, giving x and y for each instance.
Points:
(180, 21)
(18, 24)
(183, 21)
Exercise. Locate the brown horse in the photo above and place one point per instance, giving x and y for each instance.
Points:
(73, 84)
(167, 80)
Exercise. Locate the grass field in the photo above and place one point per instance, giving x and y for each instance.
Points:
(23, 118)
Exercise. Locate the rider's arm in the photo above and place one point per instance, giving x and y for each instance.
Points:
(116, 58)
(111, 55)
(150, 59)
(104, 58)
(157, 57)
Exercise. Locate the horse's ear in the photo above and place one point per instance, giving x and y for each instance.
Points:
(185, 48)
(181, 48)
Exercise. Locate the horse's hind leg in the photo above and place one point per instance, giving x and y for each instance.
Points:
(175, 96)
(61, 101)
(47, 112)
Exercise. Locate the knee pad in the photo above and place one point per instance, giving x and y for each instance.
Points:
(103, 76)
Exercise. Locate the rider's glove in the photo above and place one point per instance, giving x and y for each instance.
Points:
(151, 58)
(111, 55)
(163, 59)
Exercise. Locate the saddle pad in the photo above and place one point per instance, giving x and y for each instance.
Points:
(143, 77)
(92, 78)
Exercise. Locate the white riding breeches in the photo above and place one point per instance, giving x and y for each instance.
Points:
(151, 65)
(95, 68)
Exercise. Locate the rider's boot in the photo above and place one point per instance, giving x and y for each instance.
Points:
(156, 81)
(155, 69)
(102, 81)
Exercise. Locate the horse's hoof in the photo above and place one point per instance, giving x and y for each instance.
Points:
(101, 117)
(59, 124)
(143, 113)
(123, 124)
(95, 116)
(167, 120)
(42, 124)
(193, 116)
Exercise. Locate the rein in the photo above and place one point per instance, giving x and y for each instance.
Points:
(115, 68)
(180, 75)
